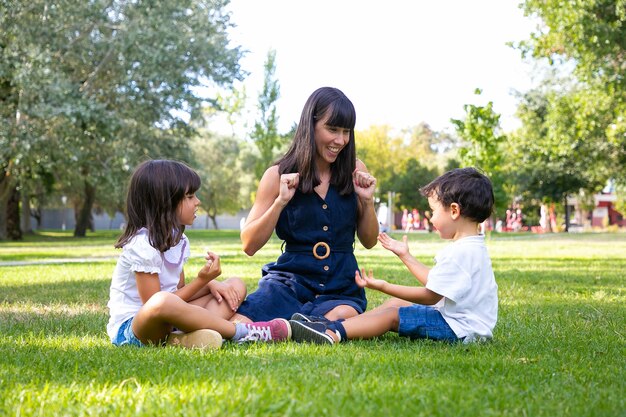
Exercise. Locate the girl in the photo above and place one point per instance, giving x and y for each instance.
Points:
(148, 295)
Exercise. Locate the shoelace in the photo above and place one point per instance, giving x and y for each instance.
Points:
(257, 333)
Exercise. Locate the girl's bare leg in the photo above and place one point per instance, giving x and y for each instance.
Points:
(221, 309)
(163, 310)
(238, 318)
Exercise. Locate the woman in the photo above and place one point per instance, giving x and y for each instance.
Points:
(316, 197)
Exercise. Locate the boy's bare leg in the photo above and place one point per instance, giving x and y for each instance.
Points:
(371, 324)
(392, 302)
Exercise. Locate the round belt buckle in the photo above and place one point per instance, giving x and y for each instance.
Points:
(323, 244)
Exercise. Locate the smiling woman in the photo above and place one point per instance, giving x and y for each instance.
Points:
(316, 197)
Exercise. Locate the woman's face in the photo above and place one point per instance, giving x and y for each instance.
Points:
(330, 140)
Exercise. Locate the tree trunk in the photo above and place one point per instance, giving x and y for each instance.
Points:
(6, 185)
(14, 232)
(84, 219)
(214, 221)
(27, 227)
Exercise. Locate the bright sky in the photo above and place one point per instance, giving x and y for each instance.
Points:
(401, 62)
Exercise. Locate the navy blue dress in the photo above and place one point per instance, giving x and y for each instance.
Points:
(300, 282)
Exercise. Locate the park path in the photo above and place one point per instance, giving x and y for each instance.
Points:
(58, 261)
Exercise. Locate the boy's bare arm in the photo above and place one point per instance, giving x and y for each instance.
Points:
(419, 295)
(401, 249)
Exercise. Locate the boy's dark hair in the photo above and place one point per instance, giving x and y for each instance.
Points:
(300, 157)
(467, 187)
(155, 190)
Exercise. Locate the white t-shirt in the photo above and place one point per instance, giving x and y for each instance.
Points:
(464, 277)
(139, 256)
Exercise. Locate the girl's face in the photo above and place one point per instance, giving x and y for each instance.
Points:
(441, 218)
(187, 209)
(330, 140)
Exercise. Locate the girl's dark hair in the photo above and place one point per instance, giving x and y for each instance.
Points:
(155, 190)
(300, 157)
(467, 187)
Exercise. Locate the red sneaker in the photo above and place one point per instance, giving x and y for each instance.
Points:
(276, 330)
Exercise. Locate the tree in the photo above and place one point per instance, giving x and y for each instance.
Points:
(482, 146)
(221, 172)
(379, 152)
(89, 90)
(406, 182)
(265, 134)
(590, 36)
(558, 151)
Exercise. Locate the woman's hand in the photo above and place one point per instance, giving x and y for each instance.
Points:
(364, 184)
(212, 269)
(288, 186)
(363, 280)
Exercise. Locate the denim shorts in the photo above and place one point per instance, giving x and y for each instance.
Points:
(423, 322)
(126, 336)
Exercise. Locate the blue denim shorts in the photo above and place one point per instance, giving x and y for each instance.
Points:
(126, 336)
(423, 322)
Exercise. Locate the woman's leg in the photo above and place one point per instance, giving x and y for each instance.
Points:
(341, 312)
(163, 310)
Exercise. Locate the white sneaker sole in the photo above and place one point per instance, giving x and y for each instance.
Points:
(200, 339)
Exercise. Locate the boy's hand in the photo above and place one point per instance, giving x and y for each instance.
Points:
(212, 269)
(397, 247)
(223, 291)
(363, 280)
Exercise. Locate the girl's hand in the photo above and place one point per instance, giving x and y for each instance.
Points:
(212, 269)
(397, 247)
(223, 291)
(363, 280)
(364, 184)
(288, 185)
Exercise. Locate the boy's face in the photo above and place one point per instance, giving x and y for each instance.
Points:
(441, 218)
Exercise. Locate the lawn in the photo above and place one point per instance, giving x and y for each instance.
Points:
(559, 347)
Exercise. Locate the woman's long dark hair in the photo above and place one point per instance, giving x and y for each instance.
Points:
(156, 188)
(301, 155)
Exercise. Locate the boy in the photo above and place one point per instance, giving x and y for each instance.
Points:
(459, 300)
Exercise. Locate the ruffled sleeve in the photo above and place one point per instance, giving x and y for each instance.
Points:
(142, 256)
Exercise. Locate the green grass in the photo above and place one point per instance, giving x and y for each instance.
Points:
(559, 347)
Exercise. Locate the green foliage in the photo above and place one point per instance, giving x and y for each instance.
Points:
(559, 150)
(409, 177)
(91, 88)
(219, 166)
(483, 146)
(558, 347)
(589, 36)
(404, 162)
(265, 134)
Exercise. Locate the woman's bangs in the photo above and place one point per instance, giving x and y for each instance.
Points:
(342, 115)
